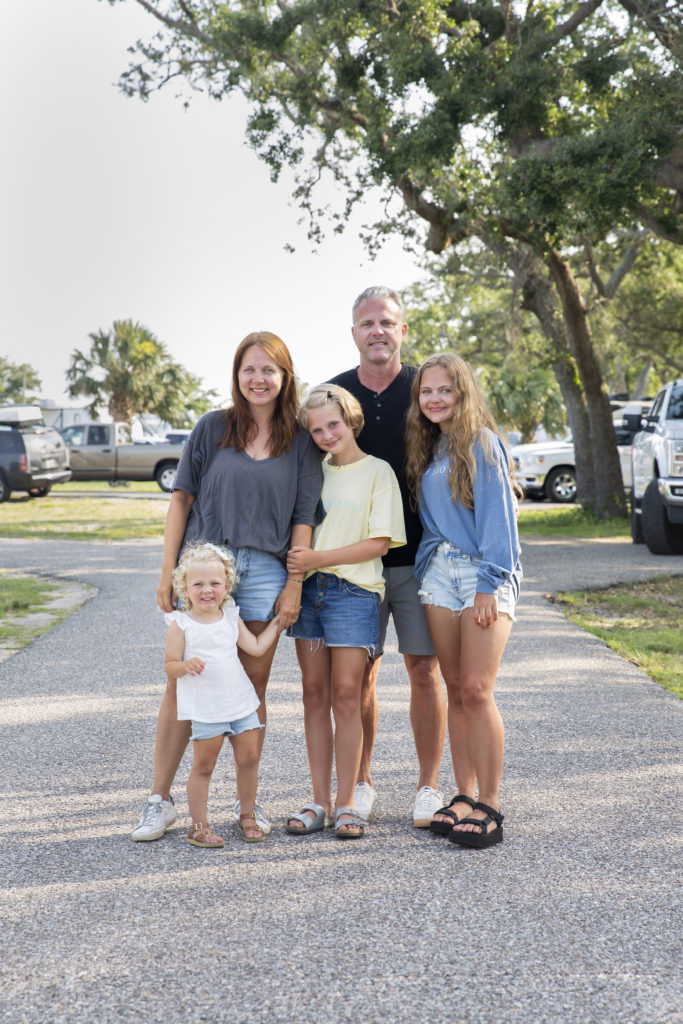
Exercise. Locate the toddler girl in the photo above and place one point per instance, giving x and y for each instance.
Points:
(214, 691)
(338, 626)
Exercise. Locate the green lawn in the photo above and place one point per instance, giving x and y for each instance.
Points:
(105, 518)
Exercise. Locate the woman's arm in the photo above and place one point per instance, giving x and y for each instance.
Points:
(304, 559)
(288, 603)
(174, 531)
(174, 665)
(258, 645)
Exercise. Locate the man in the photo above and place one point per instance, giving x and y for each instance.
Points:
(382, 386)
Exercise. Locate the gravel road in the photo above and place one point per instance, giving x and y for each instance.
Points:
(575, 917)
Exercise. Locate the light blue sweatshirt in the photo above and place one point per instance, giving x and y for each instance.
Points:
(488, 531)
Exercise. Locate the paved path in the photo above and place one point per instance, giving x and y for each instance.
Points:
(575, 918)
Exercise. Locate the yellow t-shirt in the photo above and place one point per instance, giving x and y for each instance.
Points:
(361, 501)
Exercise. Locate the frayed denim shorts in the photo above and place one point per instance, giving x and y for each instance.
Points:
(337, 613)
(209, 730)
(450, 581)
(262, 577)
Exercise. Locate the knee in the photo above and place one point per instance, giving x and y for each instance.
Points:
(346, 700)
(476, 693)
(313, 696)
(425, 677)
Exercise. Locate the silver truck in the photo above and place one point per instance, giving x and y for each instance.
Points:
(106, 451)
(657, 469)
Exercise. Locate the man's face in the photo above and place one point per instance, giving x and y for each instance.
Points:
(378, 330)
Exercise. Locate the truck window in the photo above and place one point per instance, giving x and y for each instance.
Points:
(98, 435)
(74, 436)
(676, 404)
(123, 434)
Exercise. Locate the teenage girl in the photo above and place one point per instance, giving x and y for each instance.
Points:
(469, 573)
(338, 626)
(214, 692)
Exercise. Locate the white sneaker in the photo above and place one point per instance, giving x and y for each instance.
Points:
(156, 818)
(427, 802)
(261, 820)
(364, 797)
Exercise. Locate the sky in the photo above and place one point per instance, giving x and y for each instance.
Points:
(111, 208)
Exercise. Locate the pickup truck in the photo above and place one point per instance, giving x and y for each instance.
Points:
(106, 451)
(546, 469)
(657, 466)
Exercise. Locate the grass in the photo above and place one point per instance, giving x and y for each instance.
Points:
(30, 607)
(54, 518)
(641, 622)
(132, 487)
(568, 521)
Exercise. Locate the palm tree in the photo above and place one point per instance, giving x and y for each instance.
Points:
(130, 371)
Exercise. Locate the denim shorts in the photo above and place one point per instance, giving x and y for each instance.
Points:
(402, 602)
(451, 582)
(262, 577)
(338, 613)
(209, 730)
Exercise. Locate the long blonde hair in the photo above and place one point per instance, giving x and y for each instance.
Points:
(470, 420)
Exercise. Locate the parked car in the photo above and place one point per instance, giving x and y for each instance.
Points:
(657, 465)
(547, 469)
(106, 451)
(33, 457)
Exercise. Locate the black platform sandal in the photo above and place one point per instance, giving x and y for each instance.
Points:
(480, 840)
(442, 828)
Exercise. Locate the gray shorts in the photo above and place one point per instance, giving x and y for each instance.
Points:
(401, 601)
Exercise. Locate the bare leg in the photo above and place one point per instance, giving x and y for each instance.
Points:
(172, 738)
(347, 666)
(205, 755)
(427, 715)
(369, 711)
(314, 660)
(246, 750)
(258, 670)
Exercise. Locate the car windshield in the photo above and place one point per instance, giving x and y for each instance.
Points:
(676, 403)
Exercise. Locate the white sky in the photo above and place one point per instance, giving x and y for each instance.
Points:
(111, 208)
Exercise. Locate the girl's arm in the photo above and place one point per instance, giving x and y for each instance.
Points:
(174, 531)
(175, 648)
(304, 559)
(288, 603)
(258, 645)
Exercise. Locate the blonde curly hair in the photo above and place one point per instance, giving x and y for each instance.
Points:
(471, 422)
(204, 553)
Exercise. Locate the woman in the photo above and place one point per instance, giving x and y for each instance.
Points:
(469, 573)
(249, 479)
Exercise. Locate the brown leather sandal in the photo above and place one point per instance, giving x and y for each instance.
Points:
(201, 835)
(251, 834)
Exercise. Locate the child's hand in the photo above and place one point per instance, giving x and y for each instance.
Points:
(278, 622)
(300, 560)
(194, 667)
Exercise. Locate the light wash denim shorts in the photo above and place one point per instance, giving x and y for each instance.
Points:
(451, 582)
(337, 613)
(209, 730)
(262, 578)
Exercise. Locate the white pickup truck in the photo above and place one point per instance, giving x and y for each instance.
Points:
(547, 469)
(106, 451)
(657, 466)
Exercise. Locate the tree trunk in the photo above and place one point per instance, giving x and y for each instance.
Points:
(608, 495)
(538, 298)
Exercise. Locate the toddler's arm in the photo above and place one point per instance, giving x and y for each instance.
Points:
(258, 645)
(305, 559)
(175, 648)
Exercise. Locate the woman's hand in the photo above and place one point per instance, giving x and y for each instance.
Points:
(301, 560)
(485, 609)
(288, 604)
(165, 596)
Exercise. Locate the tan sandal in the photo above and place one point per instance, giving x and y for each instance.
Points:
(201, 835)
(249, 834)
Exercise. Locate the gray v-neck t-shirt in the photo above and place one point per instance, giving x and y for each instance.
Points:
(246, 502)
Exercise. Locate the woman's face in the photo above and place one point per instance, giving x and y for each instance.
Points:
(437, 400)
(260, 378)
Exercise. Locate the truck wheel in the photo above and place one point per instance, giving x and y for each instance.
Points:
(636, 524)
(165, 475)
(560, 484)
(4, 488)
(661, 536)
